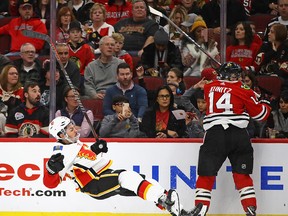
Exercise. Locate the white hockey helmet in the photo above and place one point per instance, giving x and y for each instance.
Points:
(58, 125)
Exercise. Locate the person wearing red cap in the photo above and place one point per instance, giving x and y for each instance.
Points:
(209, 74)
(25, 21)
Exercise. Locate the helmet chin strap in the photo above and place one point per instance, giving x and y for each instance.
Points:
(72, 140)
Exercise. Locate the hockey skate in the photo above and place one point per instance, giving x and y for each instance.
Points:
(171, 202)
(194, 212)
(251, 211)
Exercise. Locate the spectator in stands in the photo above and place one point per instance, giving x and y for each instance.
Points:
(211, 14)
(264, 7)
(4, 60)
(178, 15)
(174, 75)
(98, 28)
(4, 8)
(30, 118)
(122, 123)
(257, 129)
(71, 68)
(273, 56)
(117, 10)
(194, 118)
(187, 24)
(160, 56)
(11, 93)
(13, 8)
(256, 37)
(155, 4)
(136, 95)
(45, 86)
(207, 74)
(193, 58)
(101, 73)
(162, 120)
(191, 6)
(138, 30)
(282, 18)
(28, 66)
(63, 19)
(243, 50)
(74, 112)
(119, 52)
(279, 118)
(80, 52)
(80, 9)
(24, 21)
(42, 11)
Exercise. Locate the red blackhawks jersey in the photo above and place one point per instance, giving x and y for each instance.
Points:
(81, 55)
(81, 165)
(232, 102)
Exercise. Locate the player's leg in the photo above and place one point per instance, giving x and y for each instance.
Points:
(151, 190)
(211, 157)
(242, 166)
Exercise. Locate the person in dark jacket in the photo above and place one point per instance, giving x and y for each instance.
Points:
(160, 56)
(211, 14)
(162, 120)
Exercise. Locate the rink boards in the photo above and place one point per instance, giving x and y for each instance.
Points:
(172, 163)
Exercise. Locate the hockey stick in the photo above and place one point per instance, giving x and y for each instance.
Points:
(158, 13)
(33, 34)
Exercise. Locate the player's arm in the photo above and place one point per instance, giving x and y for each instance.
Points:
(259, 111)
(54, 165)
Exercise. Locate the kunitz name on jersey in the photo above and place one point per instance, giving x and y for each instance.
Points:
(232, 103)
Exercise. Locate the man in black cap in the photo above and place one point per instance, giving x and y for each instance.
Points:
(25, 21)
(160, 56)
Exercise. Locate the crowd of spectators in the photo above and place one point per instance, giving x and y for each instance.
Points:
(105, 45)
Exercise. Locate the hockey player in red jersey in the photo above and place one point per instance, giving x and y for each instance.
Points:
(230, 104)
(91, 173)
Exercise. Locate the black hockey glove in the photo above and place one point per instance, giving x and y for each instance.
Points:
(55, 163)
(99, 146)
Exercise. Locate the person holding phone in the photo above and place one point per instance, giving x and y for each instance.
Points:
(121, 124)
(193, 58)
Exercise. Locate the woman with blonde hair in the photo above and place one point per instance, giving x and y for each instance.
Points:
(11, 93)
(98, 28)
(177, 16)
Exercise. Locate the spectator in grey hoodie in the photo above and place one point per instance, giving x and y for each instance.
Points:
(121, 124)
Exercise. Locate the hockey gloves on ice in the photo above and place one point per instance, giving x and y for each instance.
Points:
(99, 146)
(55, 163)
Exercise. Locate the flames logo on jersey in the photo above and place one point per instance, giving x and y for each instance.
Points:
(85, 152)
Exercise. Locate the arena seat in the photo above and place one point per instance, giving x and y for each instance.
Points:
(152, 83)
(260, 21)
(272, 84)
(96, 106)
(5, 40)
(190, 81)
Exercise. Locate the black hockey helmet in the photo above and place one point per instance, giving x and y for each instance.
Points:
(227, 69)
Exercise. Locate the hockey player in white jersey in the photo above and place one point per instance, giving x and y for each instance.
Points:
(91, 173)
